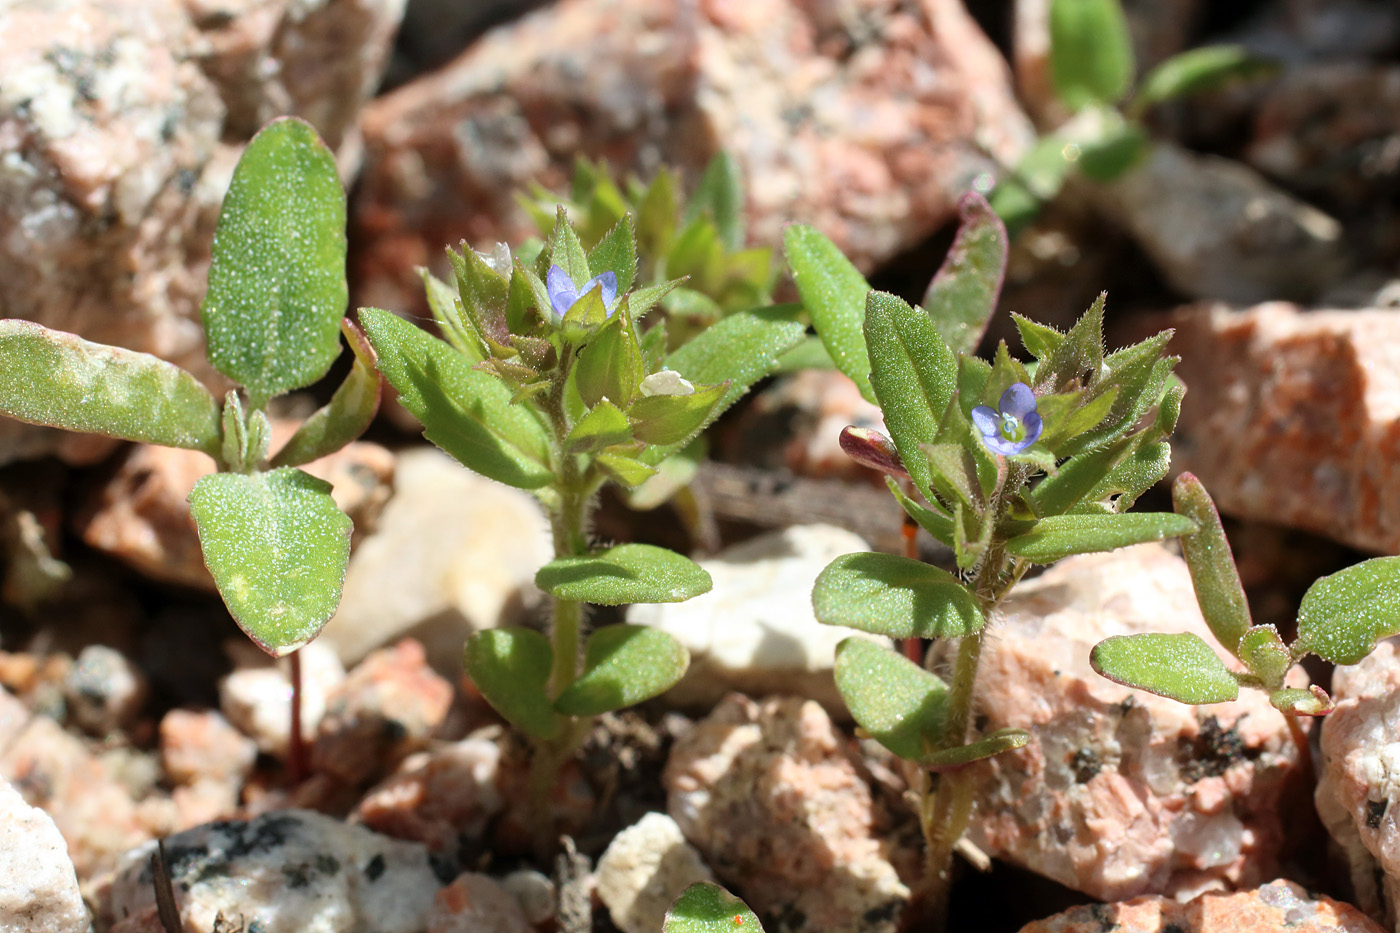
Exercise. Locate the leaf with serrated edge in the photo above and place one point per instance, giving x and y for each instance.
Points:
(900, 704)
(707, 908)
(963, 294)
(895, 596)
(628, 573)
(277, 547)
(1062, 535)
(1343, 615)
(1179, 666)
(833, 292)
(277, 287)
(510, 667)
(57, 379)
(1212, 564)
(623, 665)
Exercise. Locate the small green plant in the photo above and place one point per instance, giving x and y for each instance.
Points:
(1008, 465)
(1092, 71)
(707, 908)
(545, 383)
(274, 540)
(1341, 618)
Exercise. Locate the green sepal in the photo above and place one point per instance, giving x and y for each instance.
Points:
(988, 746)
(1006, 371)
(833, 292)
(626, 574)
(1343, 615)
(277, 287)
(584, 317)
(346, 416)
(643, 299)
(616, 252)
(900, 704)
(914, 375)
(1062, 535)
(1091, 52)
(56, 379)
(277, 546)
(1078, 357)
(563, 249)
(707, 908)
(446, 307)
(484, 294)
(963, 294)
(1179, 666)
(466, 412)
(952, 473)
(610, 365)
(623, 665)
(895, 596)
(973, 373)
(937, 524)
(1264, 653)
(1040, 340)
(511, 667)
(625, 470)
(1211, 561)
(603, 426)
(674, 419)
(1070, 418)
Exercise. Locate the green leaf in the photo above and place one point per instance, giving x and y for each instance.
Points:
(57, 379)
(623, 665)
(1145, 465)
(937, 524)
(603, 426)
(1062, 535)
(914, 375)
(1196, 70)
(739, 350)
(346, 416)
(1343, 615)
(900, 704)
(1179, 666)
(833, 292)
(565, 251)
(1091, 52)
(990, 745)
(616, 252)
(1040, 340)
(720, 195)
(671, 475)
(1077, 356)
(277, 547)
(894, 596)
(609, 365)
(628, 573)
(707, 908)
(1292, 701)
(952, 474)
(1212, 564)
(647, 297)
(466, 412)
(963, 295)
(1077, 478)
(511, 666)
(674, 419)
(656, 217)
(1265, 654)
(277, 288)
(626, 471)
(1119, 147)
(446, 308)
(811, 353)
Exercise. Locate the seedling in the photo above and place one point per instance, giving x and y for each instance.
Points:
(545, 382)
(274, 540)
(1008, 465)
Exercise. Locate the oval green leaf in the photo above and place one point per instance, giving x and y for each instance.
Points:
(833, 292)
(277, 287)
(1178, 666)
(510, 666)
(623, 666)
(628, 573)
(1197, 70)
(1343, 615)
(895, 596)
(60, 380)
(465, 411)
(1212, 564)
(277, 547)
(962, 296)
(707, 908)
(1091, 52)
(1062, 535)
(899, 703)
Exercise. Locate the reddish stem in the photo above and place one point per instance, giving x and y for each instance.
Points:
(908, 532)
(296, 746)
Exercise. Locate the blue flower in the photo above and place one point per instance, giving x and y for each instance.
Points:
(563, 292)
(1015, 427)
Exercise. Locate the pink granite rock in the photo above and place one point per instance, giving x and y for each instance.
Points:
(1358, 794)
(38, 887)
(769, 796)
(867, 119)
(1122, 793)
(1280, 905)
(257, 697)
(476, 904)
(142, 517)
(388, 707)
(202, 744)
(1293, 417)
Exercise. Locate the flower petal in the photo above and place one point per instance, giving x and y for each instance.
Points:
(987, 421)
(1000, 445)
(1034, 426)
(1018, 401)
(607, 281)
(562, 293)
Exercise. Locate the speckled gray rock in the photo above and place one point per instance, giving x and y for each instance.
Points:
(1280, 905)
(38, 887)
(868, 119)
(104, 691)
(767, 793)
(755, 631)
(288, 871)
(1121, 793)
(645, 868)
(1358, 793)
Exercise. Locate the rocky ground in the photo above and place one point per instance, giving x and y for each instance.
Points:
(1262, 227)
